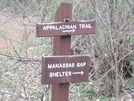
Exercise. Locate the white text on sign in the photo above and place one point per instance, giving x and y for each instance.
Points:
(66, 65)
(64, 74)
(65, 27)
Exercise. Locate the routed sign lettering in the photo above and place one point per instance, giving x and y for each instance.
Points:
(64, 69)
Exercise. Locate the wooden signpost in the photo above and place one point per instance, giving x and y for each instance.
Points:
(62, 68)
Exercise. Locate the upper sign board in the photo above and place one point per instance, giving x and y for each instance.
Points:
(65, 69)
(65, 28)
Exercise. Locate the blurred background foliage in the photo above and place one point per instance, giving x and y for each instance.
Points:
(111, 49)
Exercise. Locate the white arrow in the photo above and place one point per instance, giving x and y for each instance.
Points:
(78, 73)
(69, 30)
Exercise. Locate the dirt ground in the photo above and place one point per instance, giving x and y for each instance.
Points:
(11, 34)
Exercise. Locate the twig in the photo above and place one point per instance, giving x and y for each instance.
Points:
(21, 58)
(14, 49)
(76, 5)
(114, 66)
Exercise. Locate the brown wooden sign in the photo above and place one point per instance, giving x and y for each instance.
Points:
(65, 69)
(65, 28)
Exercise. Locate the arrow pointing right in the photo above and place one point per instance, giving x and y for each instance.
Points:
(78, 73)
(69, 30)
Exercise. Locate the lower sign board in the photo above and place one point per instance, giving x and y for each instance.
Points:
(65, 69)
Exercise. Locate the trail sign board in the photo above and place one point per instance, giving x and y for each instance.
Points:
(65, 28)
(65, 69)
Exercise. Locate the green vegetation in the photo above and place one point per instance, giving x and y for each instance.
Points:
(111, 49)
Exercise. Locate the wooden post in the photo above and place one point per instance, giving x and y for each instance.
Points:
(61, 46)
(62, 30)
